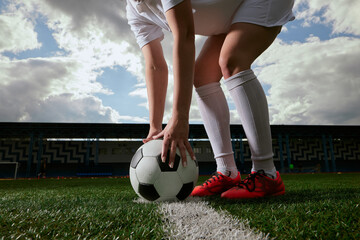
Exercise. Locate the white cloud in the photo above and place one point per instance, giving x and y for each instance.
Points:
(310, 83)
(17, 31)
(93, 32)
(313, 82)
(93, 36)
(36, 89)
(68, 108)
(342, 15)
(139, 92)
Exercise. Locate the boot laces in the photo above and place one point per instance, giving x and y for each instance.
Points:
(216, 176)
(249, 182)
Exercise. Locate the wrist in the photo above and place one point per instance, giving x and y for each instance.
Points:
(155, 127)
(182, 119)
(180, 116)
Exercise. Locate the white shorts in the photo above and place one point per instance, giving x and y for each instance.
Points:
(212, 17)
(267, 13)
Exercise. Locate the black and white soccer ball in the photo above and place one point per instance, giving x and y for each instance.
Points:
(154, 180)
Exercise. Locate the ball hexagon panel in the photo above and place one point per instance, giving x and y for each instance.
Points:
(165, 166)
(148, 192)
(136, 158)
(148, 170)
(156, 181)
(185, 190)
(152, 148)
(168, 184)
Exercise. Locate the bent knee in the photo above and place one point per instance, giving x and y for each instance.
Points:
(200, 81)
(233, 64)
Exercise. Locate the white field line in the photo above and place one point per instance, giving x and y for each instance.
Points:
(195, 219)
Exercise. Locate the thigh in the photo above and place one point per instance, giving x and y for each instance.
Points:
(243, 44)
(207, 69)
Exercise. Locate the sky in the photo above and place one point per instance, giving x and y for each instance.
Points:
(78, 61)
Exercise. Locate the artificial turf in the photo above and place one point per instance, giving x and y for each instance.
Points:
(315, 206)
(75, 209)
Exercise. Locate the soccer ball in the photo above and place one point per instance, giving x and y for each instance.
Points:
(156, 181)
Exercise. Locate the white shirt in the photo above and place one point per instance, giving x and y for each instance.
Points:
(147, 18)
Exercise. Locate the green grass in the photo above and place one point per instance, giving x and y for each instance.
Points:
(75, 209)
(318, 206)
(315, 206)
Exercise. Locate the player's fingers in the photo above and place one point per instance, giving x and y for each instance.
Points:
(172, 154)
(182, 149)
(160, 135)
(190, 151)
(164, 151)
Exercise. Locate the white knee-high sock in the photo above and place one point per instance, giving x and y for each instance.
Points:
(251, 104)
(214, 112)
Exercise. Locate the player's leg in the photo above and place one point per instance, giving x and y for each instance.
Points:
(207, 69)
(243, 44)
(214, 112)
(213, 106)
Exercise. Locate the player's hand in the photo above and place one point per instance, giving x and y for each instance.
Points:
(152, 132)
(175, 135)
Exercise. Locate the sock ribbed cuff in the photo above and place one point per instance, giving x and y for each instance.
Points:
(208, 89)
(239, 79)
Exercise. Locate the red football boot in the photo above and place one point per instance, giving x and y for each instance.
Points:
(217, 184)
(256, 185)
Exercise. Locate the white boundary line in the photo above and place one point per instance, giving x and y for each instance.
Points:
(195, 219)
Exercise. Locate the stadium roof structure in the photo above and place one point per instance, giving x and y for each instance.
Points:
(126, 130)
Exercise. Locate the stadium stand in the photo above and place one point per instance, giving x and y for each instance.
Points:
(87, 149)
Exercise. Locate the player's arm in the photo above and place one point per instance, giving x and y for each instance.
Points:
(156, 75)
(180, 19)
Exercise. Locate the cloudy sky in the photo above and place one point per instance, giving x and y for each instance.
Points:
(77, 61)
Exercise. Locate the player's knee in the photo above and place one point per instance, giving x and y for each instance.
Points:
(231, 65)
(200, 79)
